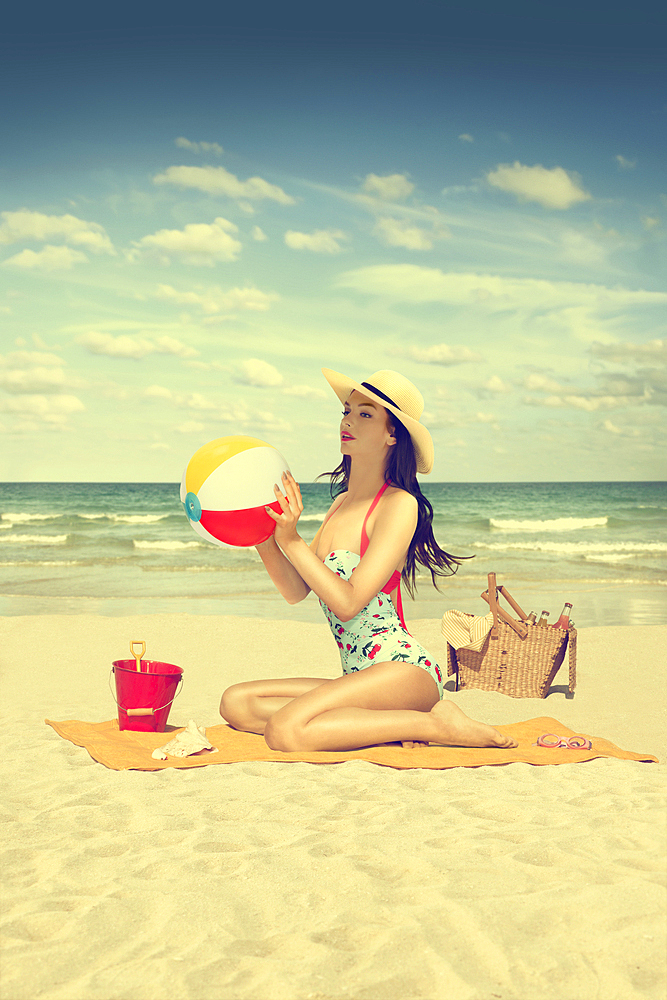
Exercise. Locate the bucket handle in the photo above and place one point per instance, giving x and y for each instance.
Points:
(145, 711)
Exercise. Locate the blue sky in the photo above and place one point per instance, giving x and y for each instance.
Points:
(197, 216)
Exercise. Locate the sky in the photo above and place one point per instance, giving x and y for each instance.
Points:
(197, 215)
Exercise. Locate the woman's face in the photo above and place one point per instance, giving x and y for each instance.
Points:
(365, 428)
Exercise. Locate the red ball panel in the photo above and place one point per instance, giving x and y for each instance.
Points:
(240, 527)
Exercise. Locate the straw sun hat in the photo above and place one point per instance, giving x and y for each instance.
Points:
(400, 397)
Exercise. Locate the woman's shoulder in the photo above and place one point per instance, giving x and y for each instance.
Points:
(400, 500)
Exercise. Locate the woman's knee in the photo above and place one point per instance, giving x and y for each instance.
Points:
(234, 705)
(280, 734)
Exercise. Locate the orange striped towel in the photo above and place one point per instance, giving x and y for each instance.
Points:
(129, 750)
(464, 631)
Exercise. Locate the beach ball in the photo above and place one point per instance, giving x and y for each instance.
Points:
(226, 486)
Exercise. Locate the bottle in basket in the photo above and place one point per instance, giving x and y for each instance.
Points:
(564, 620)
(530, 620)
(543, 623)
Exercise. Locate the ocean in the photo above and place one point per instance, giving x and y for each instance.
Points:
(127, 548)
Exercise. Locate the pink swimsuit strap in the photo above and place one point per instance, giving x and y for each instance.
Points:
(394, 581)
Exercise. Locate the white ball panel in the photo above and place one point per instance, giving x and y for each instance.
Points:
(245, 480)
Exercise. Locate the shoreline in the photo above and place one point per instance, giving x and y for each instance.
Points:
(596, 603)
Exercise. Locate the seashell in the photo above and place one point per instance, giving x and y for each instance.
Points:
(189, 741)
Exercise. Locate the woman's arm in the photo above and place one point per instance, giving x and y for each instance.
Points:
(391, 538)
(284, 575)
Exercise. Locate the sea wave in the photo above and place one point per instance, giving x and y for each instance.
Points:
(41, 562)
(25, 518)
(574, 548)
(34, 539)
(166, 546)
(20, 518)
(609, 557)
(125, 518)
(137, 518)
(553, 524)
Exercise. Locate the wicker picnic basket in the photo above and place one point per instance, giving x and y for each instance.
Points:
(518, 658)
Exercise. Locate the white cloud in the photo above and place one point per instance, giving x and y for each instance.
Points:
(411, 283)
(589, 403)
(466, 137)
(236, 413)
(134, 348)
(320, 241)
(17, 359)
(39, 380)
(199, 147)
(496, 385)
(50, 258)
(197, 243)
(258, 373)
(214, 300)
(218, 181)
(190, 427)
(555, 188)
(305, 392)
(442, 354)
(393, 187)
(650, 221)
(158, 392)
(652, 350)
(50, 410)
(401, 233)
(624, 164)
(541, 383)
(258, 234)
(607, 425)
(18, 227)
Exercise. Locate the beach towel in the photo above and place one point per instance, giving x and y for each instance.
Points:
(128, 750)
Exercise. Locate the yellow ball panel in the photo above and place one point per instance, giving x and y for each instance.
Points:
(210, 455)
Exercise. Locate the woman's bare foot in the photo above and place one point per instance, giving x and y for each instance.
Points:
(456, 729)
(411, 744)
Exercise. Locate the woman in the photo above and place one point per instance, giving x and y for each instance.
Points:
(376, 529)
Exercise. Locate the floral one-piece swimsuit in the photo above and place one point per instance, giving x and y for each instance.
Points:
(378, 633)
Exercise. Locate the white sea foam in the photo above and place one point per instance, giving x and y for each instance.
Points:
(34, 539)
(41, 562)
(125, 518)
(554, 524)
(312, 517)
(25, 518)
(137, 518)
(610, 557)
(165, 546)
(574, 548)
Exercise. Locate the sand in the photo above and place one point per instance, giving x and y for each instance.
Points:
(267, 881)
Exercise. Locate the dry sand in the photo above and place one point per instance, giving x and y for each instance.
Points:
(269, 881)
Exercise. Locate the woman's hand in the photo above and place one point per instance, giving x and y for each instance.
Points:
(292, 506)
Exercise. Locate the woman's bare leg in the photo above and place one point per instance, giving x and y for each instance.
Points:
(249, 705)
(384, 703)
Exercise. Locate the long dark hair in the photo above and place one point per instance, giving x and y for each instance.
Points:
(401, 471)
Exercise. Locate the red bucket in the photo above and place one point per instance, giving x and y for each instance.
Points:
(144, 697)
